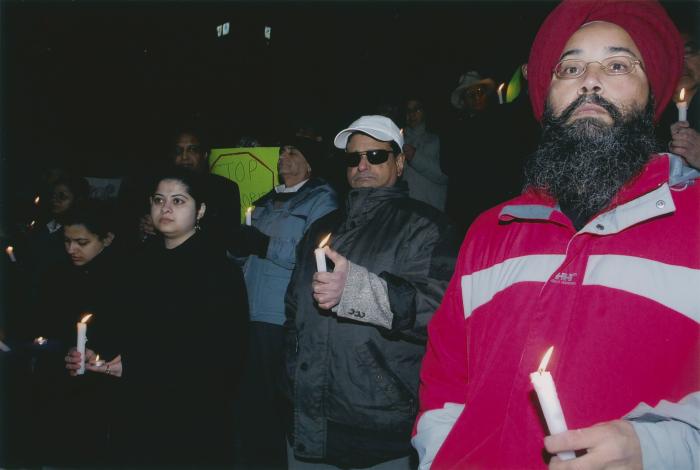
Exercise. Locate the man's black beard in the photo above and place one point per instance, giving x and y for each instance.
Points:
(583, 164)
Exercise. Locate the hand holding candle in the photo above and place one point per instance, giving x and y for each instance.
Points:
(549, 401)
(249, 216)
(82, 339)
(682, 106)
(321, 255)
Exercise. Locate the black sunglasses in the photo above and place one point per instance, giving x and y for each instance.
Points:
(375, 157)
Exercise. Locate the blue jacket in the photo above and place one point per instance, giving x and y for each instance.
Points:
(284, 218)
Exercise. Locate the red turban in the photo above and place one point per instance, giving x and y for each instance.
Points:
(645, 21)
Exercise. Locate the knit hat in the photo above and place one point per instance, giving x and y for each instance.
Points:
(645, 21)
(312, 151)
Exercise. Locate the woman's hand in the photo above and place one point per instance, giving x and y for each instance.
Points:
(113, 367)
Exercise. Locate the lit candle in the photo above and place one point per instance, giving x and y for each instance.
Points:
(249, 216)
(682, 106)
(11, 253)
(500, 93)
(97, 362)
(549, 401)
(82, 339)
(32, 223)
(321, 255)
(36, 200)
(40, 341)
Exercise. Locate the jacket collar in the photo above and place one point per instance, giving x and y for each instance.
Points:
(363, 201)
(646, 196)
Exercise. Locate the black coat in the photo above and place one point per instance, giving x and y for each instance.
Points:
(354, 386)
(181, 334)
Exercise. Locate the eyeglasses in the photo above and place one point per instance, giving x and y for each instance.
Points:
(475, 92)
(617, 65)
(375, 157)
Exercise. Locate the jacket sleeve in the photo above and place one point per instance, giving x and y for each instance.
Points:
(443, 378)
(669, 433)
(282, 249)
(416, 292)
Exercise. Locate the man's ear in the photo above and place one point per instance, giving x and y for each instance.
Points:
(201, 211)
(400, 160)
(108, 239)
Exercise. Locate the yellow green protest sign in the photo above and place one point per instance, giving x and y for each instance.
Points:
(253, 169)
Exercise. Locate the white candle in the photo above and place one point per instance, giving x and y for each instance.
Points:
(549, 401)
(11, 253)
(248, 216)
(500, 93)
(682, 107)
(82, 339)
(321, 255)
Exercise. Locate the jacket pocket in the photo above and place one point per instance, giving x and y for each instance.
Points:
(399, 398)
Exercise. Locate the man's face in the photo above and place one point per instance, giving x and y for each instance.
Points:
(475, 97)
(292, 166)
(414, 113)
(691, 66)
(367, 175)
(189, 153)
(626, 93)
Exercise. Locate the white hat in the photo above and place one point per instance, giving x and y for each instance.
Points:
(379, 127)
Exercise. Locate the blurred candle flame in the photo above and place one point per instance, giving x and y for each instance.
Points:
(9, 250)
(40, 340)
(545, 360)
(86, 317)
(36, 200)
(682, 95)
(324, 241)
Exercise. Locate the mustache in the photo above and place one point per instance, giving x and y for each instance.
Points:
(613, 110)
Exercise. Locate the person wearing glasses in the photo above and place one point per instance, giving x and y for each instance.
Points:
(422, 172)
(356, 334)
(581, 261)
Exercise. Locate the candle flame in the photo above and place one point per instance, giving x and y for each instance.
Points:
(545, 360)
(40, 340)
(86, 317)
(97, 357)
(249, 210)
(9, 250)
(324, 241)
(36, 200)
(682, 95)
(31, 224)
(500, 88)
(401, 131)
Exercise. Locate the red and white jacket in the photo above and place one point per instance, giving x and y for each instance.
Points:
(619, 300)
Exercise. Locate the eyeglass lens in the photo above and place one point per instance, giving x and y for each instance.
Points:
(375, 157)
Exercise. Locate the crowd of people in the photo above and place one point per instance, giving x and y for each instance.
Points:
(386, 303)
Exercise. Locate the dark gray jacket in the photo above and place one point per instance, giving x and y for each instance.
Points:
(354, 385)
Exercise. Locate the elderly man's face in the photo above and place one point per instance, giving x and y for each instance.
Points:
(368, 175)
(598, 41)
(188, 152)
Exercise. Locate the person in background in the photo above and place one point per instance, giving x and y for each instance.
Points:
(685, 135)
(180, 339)
(422, 172)
(581, 261)
(279, 221)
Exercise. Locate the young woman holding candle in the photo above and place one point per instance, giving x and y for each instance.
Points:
(180, 337)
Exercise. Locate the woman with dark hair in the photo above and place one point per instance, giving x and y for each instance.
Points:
(180, 336)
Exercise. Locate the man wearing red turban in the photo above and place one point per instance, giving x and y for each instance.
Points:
(599, 257)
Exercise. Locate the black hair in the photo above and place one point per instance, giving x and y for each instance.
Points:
(95, 215)
(192, 181)
(394, 146)
(194, 132)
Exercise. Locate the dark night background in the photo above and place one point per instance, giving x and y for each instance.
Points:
(98, 86)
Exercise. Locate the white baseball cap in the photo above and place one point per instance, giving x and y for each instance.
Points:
(379, 127)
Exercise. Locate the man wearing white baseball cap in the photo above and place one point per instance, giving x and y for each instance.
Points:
(356, 335)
